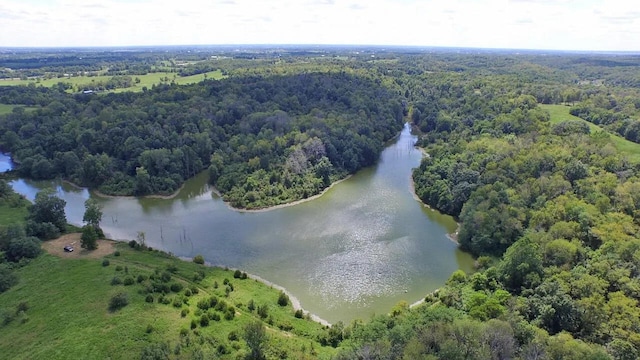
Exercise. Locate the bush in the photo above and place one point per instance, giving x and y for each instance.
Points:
(230, 313)
(118, 301)
(263, 311)
(43, 230)
(128, 281)
(184, 312)
(194, 290)
(149, 298)
(225, 281)
(244, 276)
(133, 244)
(198, 259)
(213, 301)
(177, 302)
(187, 293)
(149, 329)
(233, 336)
(141, 278)
(116, 281)
(215, 285)
(194, 324)
(251, 305)
(283, 299)
(237, 274)
(7, 278)
(176, 287)
(214, 316)
(117, 253)
(299, 314)
(204, 320)
(184, 332)
(105, 262)
(26, 247)
(118, 267)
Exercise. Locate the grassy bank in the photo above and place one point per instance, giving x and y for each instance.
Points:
(68, 299)
(561, 113)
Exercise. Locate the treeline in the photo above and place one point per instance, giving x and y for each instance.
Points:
(265, 140)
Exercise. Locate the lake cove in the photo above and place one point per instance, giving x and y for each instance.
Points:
(363, 246)
(5, 163)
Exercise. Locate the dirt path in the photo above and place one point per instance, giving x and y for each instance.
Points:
(56, 247)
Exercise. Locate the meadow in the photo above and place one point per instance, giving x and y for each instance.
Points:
(62, 308)
(559, 113)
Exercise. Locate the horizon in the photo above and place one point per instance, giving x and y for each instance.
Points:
(545, 25)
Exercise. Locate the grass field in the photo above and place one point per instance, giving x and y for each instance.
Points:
(147, 80)
(561, 113)
(68, 316)
(11, 214)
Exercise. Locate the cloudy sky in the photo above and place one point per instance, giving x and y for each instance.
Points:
(526, 24)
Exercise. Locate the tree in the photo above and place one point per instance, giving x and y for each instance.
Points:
(89, 238)
(255, 336)
(25, 247)
(48, 208)
(92, 213)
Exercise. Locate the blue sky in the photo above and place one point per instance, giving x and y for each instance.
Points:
(527, 24)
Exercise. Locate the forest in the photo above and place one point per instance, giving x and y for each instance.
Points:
(549, 206)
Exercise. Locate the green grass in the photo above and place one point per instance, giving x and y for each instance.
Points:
(13, 210)
(147, 80)
(68, 316)
(8, 108)
(559, 113)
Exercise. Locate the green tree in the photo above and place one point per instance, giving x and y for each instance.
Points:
(255, 335)
(89, 238)
(92, 213)
(48, 208)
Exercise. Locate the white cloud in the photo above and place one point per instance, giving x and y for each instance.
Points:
(543, 24)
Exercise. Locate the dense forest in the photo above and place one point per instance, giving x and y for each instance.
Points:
(550, 207)
(265, 141)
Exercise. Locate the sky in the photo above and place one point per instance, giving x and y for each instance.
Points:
(599, 25)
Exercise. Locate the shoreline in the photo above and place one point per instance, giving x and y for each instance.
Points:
(295, 302)
(100, 194)
(412, 187)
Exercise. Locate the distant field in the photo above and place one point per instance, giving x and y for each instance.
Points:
(8, 108)
(561, 113)
(147, 80)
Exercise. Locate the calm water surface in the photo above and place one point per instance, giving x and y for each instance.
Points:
(357, 250)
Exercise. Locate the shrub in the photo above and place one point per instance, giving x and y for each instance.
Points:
(198, 275)
(26, 247)
(117, 253)
(149, 329)
(141, 278)
(214, 316)
(233, 336)
(204, 320)
(184, 312)
(22, 306)
(263, 311)
(215, 285)
(230, 313)
(251, 305)
(176, 287)
(172, 268)
(165, 276)
(149, 298)
(187, 292)
(283, 299)
(177, 302)
(244, 276)
(118, 267)
(221, 306)
(213, 301)
(184, 332)
(194, 324)
(133, 244)
(194, 290)
(105, 262)
(128, 281)
(7, 278)
(237, 274)
(198, 259)
(116, 281)
(118, 301)
(299, 314)
(225, 281)
(203, 304)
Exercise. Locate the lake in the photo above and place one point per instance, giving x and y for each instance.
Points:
(363, 246)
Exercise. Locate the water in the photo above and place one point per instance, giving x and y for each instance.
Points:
(359, 249)
(5, 163)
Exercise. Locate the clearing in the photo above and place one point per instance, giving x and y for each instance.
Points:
(56, 247)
